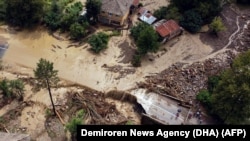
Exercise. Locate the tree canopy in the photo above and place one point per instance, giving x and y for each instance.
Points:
(46, 76)
(191, 21)
(147, 41)
(190, 10)
(229, 94)
(216, 25)
(71, 15)
(98, 41)
(53, 16)
(93, 8)
(24, 13)
(77, 30)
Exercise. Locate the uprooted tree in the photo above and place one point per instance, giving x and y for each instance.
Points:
(46, 77)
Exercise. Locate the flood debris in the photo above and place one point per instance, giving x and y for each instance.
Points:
(184, 82)
(122, 71)
(98, 111)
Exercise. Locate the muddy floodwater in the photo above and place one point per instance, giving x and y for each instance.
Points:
(80, 65)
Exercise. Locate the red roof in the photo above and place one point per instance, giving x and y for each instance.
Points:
(136, 2)
(167, 28)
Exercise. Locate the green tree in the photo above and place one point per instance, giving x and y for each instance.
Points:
(206, 9)
(93, 8)
(46, 77)
(71, 15)
(170, 12)
(191, 21)
(217, 25)
(185, 5)
(74, 8)
(135, 30)
(173, 13)
(24, 13)
(98, 41)
(161, 12)
(231, 98)
(147, 41)
(77, 31)
(53, 16)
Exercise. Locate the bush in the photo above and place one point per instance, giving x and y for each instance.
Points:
(98, 41)
(77, 31)
(115, 33)
(136, 61)
(204, 97)
(77, 120)
(216, 25)
(12, 88)
(72, 125)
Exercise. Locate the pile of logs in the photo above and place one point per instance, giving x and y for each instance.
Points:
(184, 82)
(98, 111)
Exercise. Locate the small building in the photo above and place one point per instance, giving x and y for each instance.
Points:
(146, 16)
(116, 12)
(167, 29)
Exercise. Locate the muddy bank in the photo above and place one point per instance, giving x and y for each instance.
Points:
(234, 19)
(32, 116)
(79, 65)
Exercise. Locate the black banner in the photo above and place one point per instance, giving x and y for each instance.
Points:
(163, 132)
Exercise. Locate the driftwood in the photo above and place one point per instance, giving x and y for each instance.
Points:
(97, 110)
(58, 115)
(4, 128)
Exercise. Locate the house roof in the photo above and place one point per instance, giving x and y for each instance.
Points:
(146, 16)
(165, 27)
(117, 7)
